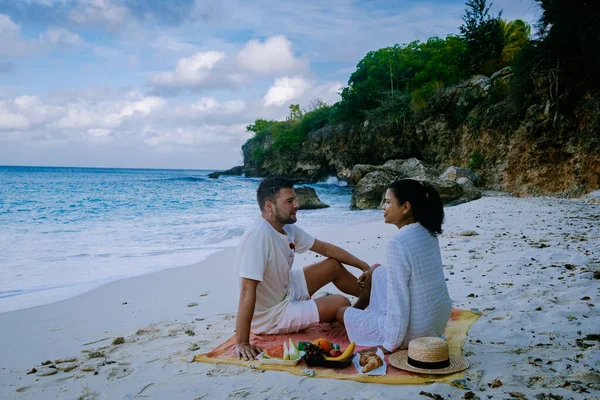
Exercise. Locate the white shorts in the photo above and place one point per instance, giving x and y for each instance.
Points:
(301, 312)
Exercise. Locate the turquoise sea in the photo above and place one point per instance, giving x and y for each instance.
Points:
(66, 231)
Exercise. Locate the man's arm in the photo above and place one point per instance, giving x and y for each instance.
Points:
(243, 348)
(332, 251)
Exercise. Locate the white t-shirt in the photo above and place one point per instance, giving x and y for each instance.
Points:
(267, 256)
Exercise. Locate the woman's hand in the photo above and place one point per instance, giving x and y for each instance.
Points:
(365, 277)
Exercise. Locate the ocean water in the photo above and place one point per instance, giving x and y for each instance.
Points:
(65, 231)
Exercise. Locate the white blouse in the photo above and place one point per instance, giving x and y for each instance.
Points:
(409, 296)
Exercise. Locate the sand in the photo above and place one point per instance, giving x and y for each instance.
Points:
(530, 266)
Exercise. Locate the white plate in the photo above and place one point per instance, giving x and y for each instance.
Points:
(377, 371)
(261, 359)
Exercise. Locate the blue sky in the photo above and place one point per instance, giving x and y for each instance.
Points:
(172, 84)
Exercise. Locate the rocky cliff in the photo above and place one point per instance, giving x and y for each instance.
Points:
(533, 152)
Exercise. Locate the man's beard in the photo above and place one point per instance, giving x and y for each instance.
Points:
(282, 220)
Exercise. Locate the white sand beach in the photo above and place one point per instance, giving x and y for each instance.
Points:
(531, 266)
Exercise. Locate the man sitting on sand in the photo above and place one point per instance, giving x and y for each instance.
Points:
(274, 298)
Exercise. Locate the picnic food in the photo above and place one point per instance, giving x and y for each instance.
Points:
(364, 356)
(335, 353)
(373, 362)
(284, 351)
(323, 343)
(301, 345)
(275, 352)
(312, 352)
(293, 353)
(345, 355)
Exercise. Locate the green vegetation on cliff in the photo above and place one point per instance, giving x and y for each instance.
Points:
(447, 99)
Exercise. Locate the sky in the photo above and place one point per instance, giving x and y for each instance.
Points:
(173, 84)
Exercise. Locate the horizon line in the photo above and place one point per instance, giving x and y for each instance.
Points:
(96, 167)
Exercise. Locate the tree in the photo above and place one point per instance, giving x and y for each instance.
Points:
(483, 36)
(316, 104)
(515, 35)
(295, 113)
(570, 32)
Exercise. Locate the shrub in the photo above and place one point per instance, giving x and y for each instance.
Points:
(476, 161)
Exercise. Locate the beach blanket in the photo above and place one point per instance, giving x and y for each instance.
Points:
(456, 333)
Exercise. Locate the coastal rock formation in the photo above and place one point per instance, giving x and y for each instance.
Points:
(454, 173)
(371, 181)
(593, 197)
(308, 198)
(237, 170)
(471, 125)
(470, 191)
(370, 188)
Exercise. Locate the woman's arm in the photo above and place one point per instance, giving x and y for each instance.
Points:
(332, 251)
(398, 295)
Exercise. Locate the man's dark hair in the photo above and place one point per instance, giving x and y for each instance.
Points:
(269, 189)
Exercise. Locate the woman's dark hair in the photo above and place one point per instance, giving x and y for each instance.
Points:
(269, 189)
(425, 201)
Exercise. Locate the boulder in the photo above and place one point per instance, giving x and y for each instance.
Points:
(454, 173)
(411, 168)
(406, 168)
(308, 198)
(470, 191)
(502, 73)
(359, 171)
(237, 170)
(449, 191)
(593, 197)
(370, 190)
(465, 92)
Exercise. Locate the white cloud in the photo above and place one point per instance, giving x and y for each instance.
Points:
(328, 92)
(100, 136)
(61, 36)
(24, 102)
(285, 89)
(193, 72)
(60, 116)
(106, 114)
(12, 121)
(216, 70)
(208, 105)
(46, 3)
(273, 56)
(8, 28)
(102, 12)
(133, 122)
(144, 106)
(198, 136)
(11, 42)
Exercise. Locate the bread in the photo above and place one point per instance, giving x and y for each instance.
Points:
(373, 362)
(364, 356)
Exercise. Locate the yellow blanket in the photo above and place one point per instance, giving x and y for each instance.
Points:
(456, 333)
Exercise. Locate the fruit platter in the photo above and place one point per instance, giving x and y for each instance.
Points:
(283, 354)
(319, 353)
(322, 353)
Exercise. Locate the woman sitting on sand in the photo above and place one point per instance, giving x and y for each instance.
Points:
(407, 297)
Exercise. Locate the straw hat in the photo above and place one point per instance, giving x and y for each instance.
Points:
(428, 355)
